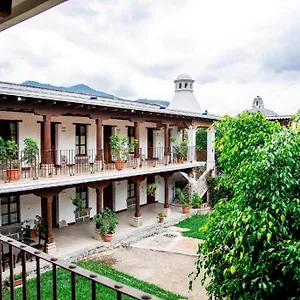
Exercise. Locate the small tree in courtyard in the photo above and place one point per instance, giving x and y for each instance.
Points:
(252, 250)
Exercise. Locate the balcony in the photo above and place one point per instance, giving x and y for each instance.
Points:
(67, 167)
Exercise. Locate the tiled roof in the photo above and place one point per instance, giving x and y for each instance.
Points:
(54, 95)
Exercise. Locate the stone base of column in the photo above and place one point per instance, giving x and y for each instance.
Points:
(166, 212)
(97, 235)
(137, 221)
(97, 166)
(47, 170)
(51, 248)
(137, 162)
(166, 159)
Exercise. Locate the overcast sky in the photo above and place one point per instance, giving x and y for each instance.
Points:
(133, 49)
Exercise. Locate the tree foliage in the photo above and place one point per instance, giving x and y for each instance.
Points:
(201, 139)
(252, 250)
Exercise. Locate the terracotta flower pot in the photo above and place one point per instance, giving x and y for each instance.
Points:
(185, 210)
(32, 234)
(161, 220)
(107, 237)
(180, 160)
(13, 174)
(119, 165)
(18, 282)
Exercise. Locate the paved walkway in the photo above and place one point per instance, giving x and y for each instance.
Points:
(170, 241)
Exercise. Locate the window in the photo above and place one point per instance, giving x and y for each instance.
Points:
(82, 193)
(186, 85)
(9, 210)
(8, 130)
(131, 189)
(180, 85)
(131, 134)
(81, 139)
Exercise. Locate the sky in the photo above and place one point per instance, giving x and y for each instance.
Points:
(235, 50)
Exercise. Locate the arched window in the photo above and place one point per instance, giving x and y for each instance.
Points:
(185, 85)
(180, 85)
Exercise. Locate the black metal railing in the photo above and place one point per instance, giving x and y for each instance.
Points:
(71, 162)
(74, 271)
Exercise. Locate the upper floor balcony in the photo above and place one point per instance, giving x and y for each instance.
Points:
(63, 167)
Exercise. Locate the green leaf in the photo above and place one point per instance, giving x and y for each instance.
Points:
(282, 218)
(232, 269)
(259, 236)
(269, 235)
(241, 255)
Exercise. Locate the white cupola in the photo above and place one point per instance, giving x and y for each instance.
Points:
(184, 98)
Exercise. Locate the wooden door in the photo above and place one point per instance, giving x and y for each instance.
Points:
(107, 133)
(108, 197)
(150, 142)
(150, 199)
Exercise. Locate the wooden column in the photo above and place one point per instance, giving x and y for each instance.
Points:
(47, 140)
(99, 186)
(167, 182)
(166, 127)
(99, 139)
(137, 137)
(137, 186)
(49, 224)
(99, 192)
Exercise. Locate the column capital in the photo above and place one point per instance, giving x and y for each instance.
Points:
(49, 193)
(99, 184)
(166, 175)
(138, 179)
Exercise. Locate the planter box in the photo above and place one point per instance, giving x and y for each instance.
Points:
(82, 215)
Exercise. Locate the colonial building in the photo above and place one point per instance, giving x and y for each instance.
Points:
(73, 134)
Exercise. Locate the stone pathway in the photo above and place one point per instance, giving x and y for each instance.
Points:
(170, 241)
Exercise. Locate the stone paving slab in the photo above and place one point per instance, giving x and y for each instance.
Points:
(170, 241)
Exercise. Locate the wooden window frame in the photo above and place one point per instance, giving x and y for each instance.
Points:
(9, 212)
(130, 188)
(16, 135)
(79, 145)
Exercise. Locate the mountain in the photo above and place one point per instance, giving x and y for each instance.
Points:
(78, 88)
(160, 103)
(82, 88)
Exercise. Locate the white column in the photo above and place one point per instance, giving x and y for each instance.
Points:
(211, 160)
(191, 143)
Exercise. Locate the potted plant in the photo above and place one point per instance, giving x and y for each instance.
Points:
(81, 212)
(18, 280)
(120, 149)
(151, 189)
(160, 217)
(29, 229)
(196, 200)
(106, 224)
(181, 149)
(9, 156)
(184, 199)
(30, 151)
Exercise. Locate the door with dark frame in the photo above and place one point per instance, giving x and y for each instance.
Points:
(150, 143)
(150, 180)
(108, 197)
(107, 133)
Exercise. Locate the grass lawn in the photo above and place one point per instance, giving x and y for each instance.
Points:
(194, 223)
(83, 286)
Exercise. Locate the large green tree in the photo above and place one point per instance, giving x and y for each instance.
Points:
(252, 249)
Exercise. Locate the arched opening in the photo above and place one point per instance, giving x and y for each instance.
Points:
(185, 85)
(180, 85)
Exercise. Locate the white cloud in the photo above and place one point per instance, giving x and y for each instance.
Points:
(135, 48)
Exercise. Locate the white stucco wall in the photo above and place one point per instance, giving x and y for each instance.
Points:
(143, 192)
(30, 206)
(66, 207)
(120, 193)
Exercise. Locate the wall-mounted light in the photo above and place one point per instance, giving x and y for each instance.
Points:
(20, 99)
